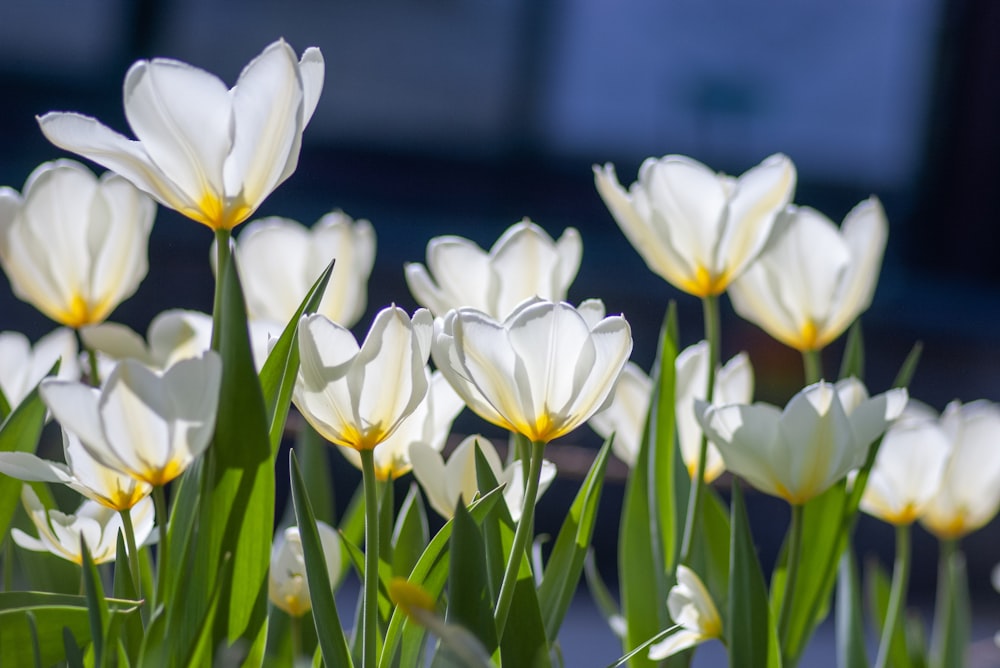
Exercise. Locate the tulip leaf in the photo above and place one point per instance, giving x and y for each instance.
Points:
(565, 564)
(411, 534)
(74, 657)
(952, 616)
(357, 557)
(352, 527)
(852, 364)
(277, 377)
(878, 587)
(332, 642)
(850, 616)
(19, 433)
(909, 366)
(96, 607)
(524, 642)
(496, 557)
(123, 587)
(470, 604)
(430, 573)
(652, 509)
(747, 620)
(200, 653)
(4, 406)
(313, 450)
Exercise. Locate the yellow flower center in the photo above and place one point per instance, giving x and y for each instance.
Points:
(161, 476)
(704, 284)
(213, 212)
(79, 312)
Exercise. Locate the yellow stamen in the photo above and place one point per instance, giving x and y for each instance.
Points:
(80, 312)
(213, 212)
(704, 284)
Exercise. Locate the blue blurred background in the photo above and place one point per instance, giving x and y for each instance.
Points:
(463, 116)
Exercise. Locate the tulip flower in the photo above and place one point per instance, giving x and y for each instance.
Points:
(74, 246)
(428, 425)
(97, 525)
(524, 262)
(141, 423)
(211, 153)
(814, 280)
(799, 452)
(696, 229)
(968, 494)
(692, 608)
(624, 415)
(908, 467)
(173, 335)
(445, 484)
(280, 260)
(357, 396)
(81, 473)
(22, 365)
(288, 587)
(541, 372)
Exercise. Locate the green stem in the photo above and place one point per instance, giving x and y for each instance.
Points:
(897, 596)
(369, 615)
(8, 564)
(95, 371)
(710, 309)
(296, 630)
(133, 552)
(160, 508)
(521, 537)
(222, 255)
(791, 575)
(812, 360)
(944, 603)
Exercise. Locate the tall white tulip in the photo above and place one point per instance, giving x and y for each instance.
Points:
(142, 423)
(541, 372)
(211, 153)
(357, 396)
(524, 262)
(74, 246)
(968, 494)
(814, 279)
(799, 452)
(695, 228)
(624, 415)
(22, 366)
(97, 525)
(280, 259)
(288, 587)
(692, 608)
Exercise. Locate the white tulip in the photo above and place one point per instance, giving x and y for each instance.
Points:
(524, 262)
(692, 608)
(288, 587)
(74, 246)
(211, 153)
(695, 228)
(624, 414)
(814, 279)
(22, 366)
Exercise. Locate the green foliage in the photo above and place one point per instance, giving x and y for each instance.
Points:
(747, 622)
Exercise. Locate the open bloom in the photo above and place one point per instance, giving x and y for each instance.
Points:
(813, 280)
(97, 525)
(74, 246)
(541, 372)
(357, 396)
(81, 473)
(799, 452)
(287, 586)
(141, 423)
(908, 467)
(280, 260)
(22, 365)
(428, 425)
(624, 415)
(968, 494)
(447, 483)
(691, 607)
(697, 229)
(524, 262)
(209, 152)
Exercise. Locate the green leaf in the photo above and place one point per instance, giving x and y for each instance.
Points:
(313, 451)
(952, 614)
(524, 642)
(200, 653)
(74, 657)
(332, 642)
(277, 377)
(879, 586)
(19, 433)
(4, 406)
(853, 362)
(710, 547)
(352, 528)
(850, 616)
(496, 557)
(96, 607)
(562, 572)
(909, 366)
(357, 557)
(123, 587)
(652, 510)
(746, 626)
(411, 534)
(470, 604)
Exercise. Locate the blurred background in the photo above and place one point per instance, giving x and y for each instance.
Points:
(463, 116)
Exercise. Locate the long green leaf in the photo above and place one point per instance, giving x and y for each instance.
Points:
(878, 587)
(850, 616)
(952, 615)
(332, 642)
(470, 604)
(411, 533)
(123, 587)
(853, 362)
(19, 433)
(746, 624)
(562, 572)
(96, 607)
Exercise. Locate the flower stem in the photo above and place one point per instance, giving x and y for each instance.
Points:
(222, 255)
(369, 615)
(944, 603)
(296, 631)
(521, 537)
(812, 361)
(897, 595)
(95, 372)
(160, 508)
(133, 553)
(710, 308)
(791, 575)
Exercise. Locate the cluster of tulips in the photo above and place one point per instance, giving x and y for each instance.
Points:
(203, 575)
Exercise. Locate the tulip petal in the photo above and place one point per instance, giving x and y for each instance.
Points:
(759, 194)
